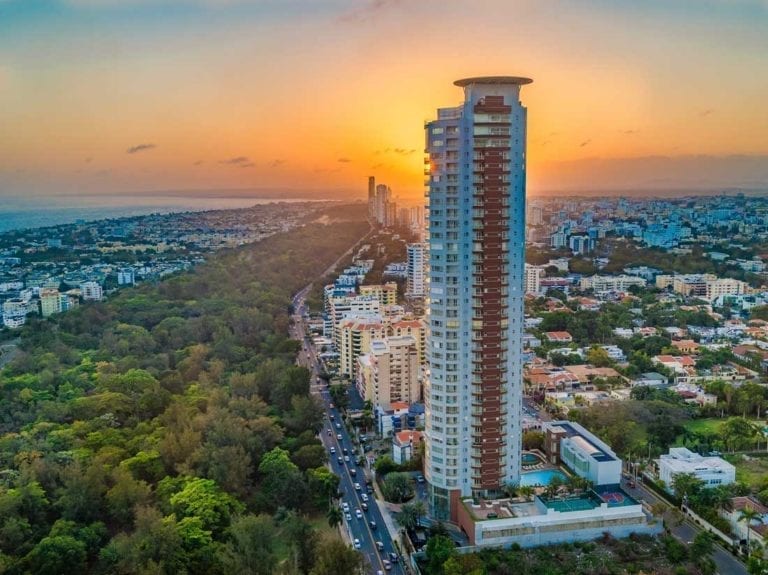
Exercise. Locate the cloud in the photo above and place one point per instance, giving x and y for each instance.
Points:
(276, 163)
(368, 11)
(585, 143)
(630, 132)
(198, 163)
(705, 113)
(239, 162)
(140, 148)
(344, 160)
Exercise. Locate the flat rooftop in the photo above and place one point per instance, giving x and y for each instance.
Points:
(585, 444)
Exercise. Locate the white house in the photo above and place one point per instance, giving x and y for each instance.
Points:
(710, 470)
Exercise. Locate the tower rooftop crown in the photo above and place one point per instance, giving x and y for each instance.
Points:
(516, 80)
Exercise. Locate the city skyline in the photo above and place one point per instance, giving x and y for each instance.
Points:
(116, 97)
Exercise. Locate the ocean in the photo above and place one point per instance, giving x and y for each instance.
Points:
(39, 212)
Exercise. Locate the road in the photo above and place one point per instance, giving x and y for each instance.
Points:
(725, 562)
(340, 439)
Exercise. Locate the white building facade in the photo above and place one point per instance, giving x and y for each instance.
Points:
(416, 270)
(476, 244)
(711, 471)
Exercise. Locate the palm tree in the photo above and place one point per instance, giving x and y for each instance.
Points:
(526, 491)
(420, 510)
(334, 516)
(748, 515)
(408, 518)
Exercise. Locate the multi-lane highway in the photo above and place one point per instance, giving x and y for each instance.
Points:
(374, 540)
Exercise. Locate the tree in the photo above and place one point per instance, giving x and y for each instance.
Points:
(310, 456)
(464, 565)
(749, 516)
(250, 546)
(533, 440)
(334, 516)
(204, 499)
(685, 485)
(598, 357)
(439, 550)
(701, 551)
(306, 413)
(526, 491)
(55, 555)
(283, 483)
(397, 487)
(408, 518)
(302, 538)
(334, 556)
(738, 433)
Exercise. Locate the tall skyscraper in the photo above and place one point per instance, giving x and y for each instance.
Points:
(371, 197)
(415, 269)
(476, 245)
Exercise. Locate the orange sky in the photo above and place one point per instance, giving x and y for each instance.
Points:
(290, 94)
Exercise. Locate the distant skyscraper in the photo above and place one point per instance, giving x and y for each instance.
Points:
(415, 279)
(476, 244)
(371, 197)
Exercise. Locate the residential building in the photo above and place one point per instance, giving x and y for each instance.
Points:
(126, 277)
(559, 336)
(710, 470)
(602, 284)
(50, 302)
(416, 270)
(405, 444)
(354, 338)
(473, 390)
(91, 291)
(386, 294)
(585, 454)
(389, 372)
(416, 329)
(533, 275)
(732, 513)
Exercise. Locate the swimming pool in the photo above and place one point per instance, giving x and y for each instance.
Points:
(541, 477)
(530, 459)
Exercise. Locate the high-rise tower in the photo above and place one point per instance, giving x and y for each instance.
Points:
(476, 244)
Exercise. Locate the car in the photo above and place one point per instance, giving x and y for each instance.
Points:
(338, 425)
(387, 565)
(364, 506)
(358, 514)
(364, 497)
(348, 517)
(340, 461)
(332, 450)
(357, 487)
(345, 506)
(332, 417)
(330, 432)
(352, 471)
(357, 544)
(346, 458)
(345, 450)
(420, 479)
(373, 525)
(369, 488)
(338, 436)
(331, 406)
(379, 546)
(393, 557)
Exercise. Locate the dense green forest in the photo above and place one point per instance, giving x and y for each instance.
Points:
(168, 429)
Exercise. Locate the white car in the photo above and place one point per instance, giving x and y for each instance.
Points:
(358, 514)
(357, 544)
(357, 487)
(346, 458)
(364, 497)
(338, 436)
(348, 517)
(345, 506)
(333, 450)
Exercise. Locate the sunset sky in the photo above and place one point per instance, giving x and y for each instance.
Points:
(135, 95)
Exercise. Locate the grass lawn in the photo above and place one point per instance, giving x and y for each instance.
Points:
(752, 471)
(710, 425)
